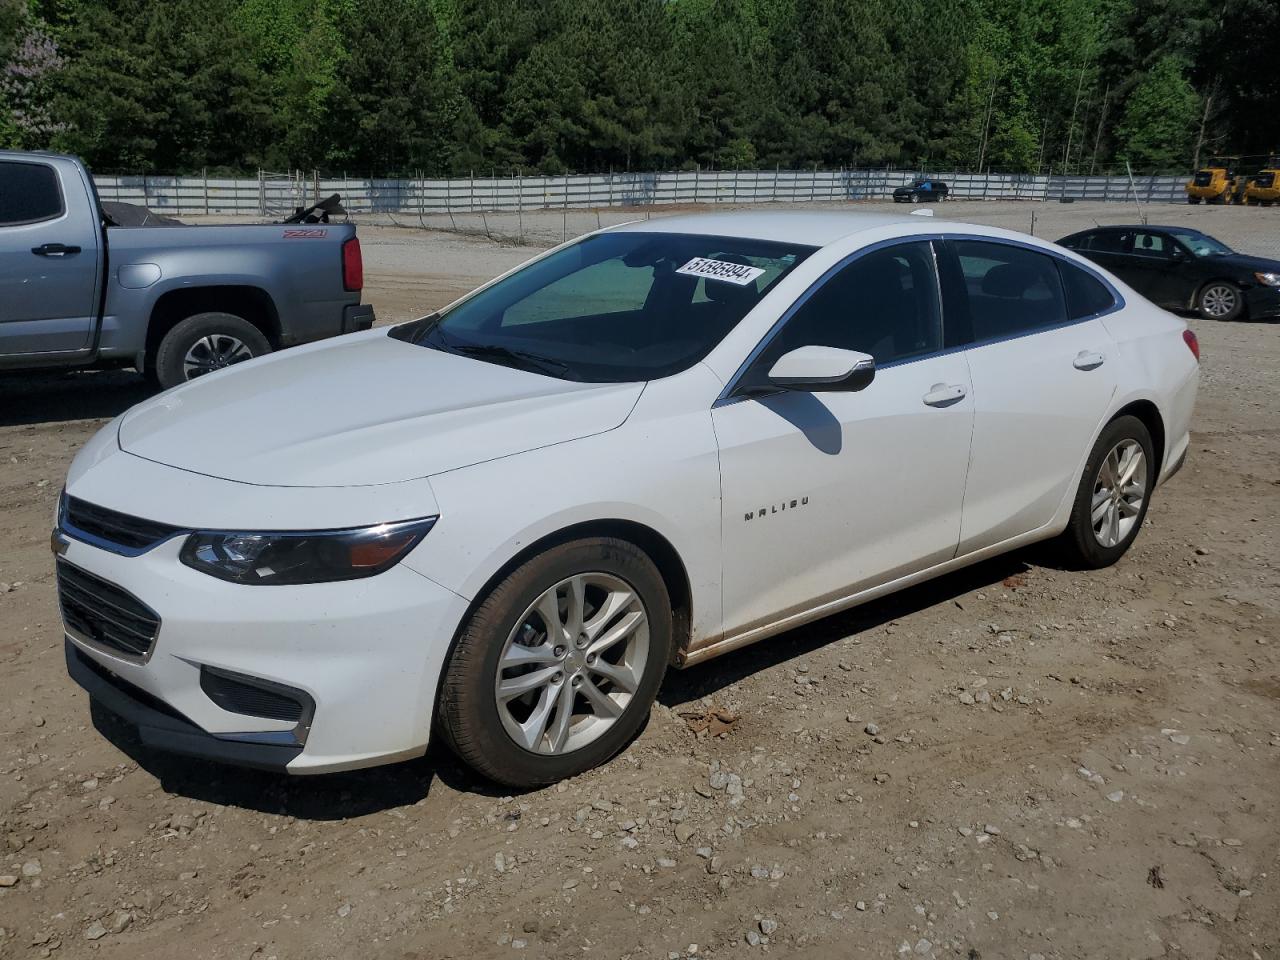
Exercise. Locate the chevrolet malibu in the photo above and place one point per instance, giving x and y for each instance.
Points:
(500, 524)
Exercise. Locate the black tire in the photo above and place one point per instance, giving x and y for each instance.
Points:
(169, 367)
(1224, 287)
(1193, 199)
(468, 705)
(1078, 545)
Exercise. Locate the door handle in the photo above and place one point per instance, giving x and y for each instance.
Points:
(54, 250)
(1087, 360)
(944, 394)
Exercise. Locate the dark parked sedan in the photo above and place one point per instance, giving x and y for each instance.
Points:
(1184, 269)
(921, 191)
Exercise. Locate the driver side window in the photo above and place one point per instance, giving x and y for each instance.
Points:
(884, 303)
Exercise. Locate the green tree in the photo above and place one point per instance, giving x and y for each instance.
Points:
(1159, 118)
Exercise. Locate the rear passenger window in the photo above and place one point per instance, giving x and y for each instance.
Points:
(1086, 294)
(1011, 290)
(28, 193)
(1106, 241)
(884, 303)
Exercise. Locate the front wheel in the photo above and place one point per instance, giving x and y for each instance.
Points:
(204, 343)
(556, 669)
(1114, 493)
(1220, 300)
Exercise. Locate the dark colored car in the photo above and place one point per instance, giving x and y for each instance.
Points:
(1184, 269)
(921, 191)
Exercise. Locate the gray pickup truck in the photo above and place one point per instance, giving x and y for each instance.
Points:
(175, 302)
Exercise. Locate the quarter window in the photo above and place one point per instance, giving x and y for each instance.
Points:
(1010, 290)
(884, 303)
(28, 193)
(1086, 295)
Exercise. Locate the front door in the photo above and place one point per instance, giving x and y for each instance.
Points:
(826, 494)
(48, 261)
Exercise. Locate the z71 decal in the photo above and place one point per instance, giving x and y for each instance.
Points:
(313, 233)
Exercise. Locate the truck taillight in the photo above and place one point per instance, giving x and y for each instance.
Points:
(352, 265)
(1193, 344)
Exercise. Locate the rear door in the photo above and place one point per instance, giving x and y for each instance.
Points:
(1043, 377)
(48, 258)
(1153, 265)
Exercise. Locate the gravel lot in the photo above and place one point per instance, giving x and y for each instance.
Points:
(1014, 761)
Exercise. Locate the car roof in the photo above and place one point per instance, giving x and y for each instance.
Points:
(814, 228)
(1139, 226)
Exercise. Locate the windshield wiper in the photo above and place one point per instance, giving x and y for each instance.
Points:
(520, 358)
(529, 360)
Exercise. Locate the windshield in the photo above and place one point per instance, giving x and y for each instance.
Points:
(1201, 245)
(615, 307)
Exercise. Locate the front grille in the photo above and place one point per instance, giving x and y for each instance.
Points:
(1203, 179)
(132, 533)
(100, 612)
(252, 697)
(1265, 179)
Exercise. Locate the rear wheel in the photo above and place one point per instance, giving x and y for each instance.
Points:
(1193, 199)
(204, 343)
(1220, 300)
(555, 671)
(1113, 495)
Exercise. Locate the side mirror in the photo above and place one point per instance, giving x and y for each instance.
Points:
(823, 369)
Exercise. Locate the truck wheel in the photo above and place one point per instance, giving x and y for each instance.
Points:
(1193, 199)
(204, 343)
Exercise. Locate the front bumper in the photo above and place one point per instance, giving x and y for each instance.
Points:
(163, 728)
(1262, 301)
(368, 653)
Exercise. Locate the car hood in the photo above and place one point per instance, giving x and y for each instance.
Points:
(362, 410)
(1244, 261)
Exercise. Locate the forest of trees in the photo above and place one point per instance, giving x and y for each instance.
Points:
(446, 86)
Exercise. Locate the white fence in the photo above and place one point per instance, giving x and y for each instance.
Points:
(276, 193)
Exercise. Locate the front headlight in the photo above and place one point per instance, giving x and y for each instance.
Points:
(1270, 279)
(316, 556)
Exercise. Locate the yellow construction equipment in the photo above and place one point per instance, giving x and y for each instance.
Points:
(1263, 187)
(1216, 182)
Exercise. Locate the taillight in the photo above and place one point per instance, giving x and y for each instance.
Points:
(1192, 343)
(352, 265)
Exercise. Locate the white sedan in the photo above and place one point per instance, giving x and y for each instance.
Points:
(502, 523)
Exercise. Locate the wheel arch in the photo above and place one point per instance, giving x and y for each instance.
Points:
(249, 302)
(655, 546)
(1149, 414)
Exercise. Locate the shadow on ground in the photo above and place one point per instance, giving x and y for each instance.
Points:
(709, 678)
(58, 396)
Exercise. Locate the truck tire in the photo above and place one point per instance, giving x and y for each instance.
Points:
(203, 343)
(1193, 199)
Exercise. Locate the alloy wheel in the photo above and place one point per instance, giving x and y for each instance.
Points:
(214, 352)
(1218, 300)
(573, 663)
(1118, 492)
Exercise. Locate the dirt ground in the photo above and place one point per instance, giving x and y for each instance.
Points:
(1011, 762)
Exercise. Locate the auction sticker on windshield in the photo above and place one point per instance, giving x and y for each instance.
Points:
(738, 273)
